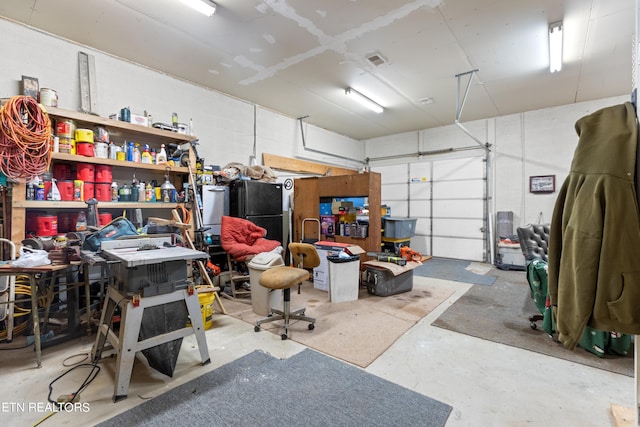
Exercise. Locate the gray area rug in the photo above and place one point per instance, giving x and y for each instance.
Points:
(500, 313)
(452, 269)
(308, 389)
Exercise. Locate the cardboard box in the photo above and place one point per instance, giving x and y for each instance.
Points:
(328, 225)
(338, 208)
(139, 120)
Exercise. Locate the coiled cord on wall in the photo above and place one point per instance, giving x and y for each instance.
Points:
(25, 137)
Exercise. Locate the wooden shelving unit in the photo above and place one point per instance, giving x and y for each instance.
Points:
(119, 132)
(309, 191)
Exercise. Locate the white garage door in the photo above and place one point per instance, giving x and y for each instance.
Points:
(447, 197)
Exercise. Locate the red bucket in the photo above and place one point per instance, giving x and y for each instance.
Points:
(61, 171)
(86, 172)
(85, 149)
(104, 219)
(47, 225)
(66, 190)
(88, 190)
(103, 191)
(103, 174)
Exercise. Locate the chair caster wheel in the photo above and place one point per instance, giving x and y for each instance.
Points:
(256, 328)
(533, 325)
(311, 326)
(284, 337)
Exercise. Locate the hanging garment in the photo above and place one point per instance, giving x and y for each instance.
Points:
(594, 273)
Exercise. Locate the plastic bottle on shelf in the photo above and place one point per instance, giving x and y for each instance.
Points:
(134, 190)
(167, 190)
(114, 191)
(149, 193)
(137, 157)
(31, 191)
(124, 193)
(146, 156)
(142, 193)
(81, 221)
(161, 157)
(130, 151)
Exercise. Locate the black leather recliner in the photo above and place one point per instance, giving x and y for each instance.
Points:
(534, 242)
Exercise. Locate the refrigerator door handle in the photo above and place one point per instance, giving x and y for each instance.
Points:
(216, 190)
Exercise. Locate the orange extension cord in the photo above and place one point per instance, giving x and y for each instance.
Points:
(25, 137)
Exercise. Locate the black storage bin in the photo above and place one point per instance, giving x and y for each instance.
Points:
(383, 283)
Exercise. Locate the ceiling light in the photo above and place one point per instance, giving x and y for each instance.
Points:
(205, 7)
(363, 100)
(555, 47)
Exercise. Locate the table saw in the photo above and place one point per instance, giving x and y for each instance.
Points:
(155, 299)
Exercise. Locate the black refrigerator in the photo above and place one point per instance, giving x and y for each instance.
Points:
(259, 202)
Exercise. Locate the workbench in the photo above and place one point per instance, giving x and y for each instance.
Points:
(42, 280)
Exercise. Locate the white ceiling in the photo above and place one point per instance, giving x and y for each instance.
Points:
(298, 56)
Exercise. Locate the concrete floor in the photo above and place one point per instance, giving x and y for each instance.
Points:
(487, 384)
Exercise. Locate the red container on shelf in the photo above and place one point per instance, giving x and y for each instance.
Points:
(88, 190)
(103, 173)
(64, 221)
(85, 149)
(62, 171)
(86, 172)
(104, 219)
(47, 225)
(31, 223)
(66, 189)
(103, 191)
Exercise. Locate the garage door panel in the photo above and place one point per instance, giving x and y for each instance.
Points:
(457, 248)
(421, 208)
(469, 168)
(457, 208)
(458, 227)
(458, 189)
(420, 244)
(420, 190)
(423, 226)
(394, 192)
(399, 208)
(392, 174)
(420, 170)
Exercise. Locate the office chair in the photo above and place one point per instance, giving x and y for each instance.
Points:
(286, 278)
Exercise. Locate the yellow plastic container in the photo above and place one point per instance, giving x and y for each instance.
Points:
(206, 308)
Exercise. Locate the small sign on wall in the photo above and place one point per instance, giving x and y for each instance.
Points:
(542, 184)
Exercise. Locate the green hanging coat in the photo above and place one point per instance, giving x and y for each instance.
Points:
(594, 242)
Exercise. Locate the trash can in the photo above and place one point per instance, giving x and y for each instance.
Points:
(344, 278)
(263, 299)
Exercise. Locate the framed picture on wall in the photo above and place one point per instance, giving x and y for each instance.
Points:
(30, 87)
(542, 184)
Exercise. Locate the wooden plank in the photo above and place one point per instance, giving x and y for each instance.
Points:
(622, 416)
(303, 166)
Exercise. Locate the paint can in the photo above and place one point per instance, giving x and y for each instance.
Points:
(48, 97)
(84, 135)
(66, 128)
(67, 145)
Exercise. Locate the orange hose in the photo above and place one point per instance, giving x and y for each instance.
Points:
(25, 137)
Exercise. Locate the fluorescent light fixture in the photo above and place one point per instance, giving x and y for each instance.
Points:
(363, 100)
(555, 47)
(205, 7)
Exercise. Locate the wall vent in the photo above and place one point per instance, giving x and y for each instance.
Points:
(376, 59)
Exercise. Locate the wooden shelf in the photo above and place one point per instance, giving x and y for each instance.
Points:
(121, 129)
(308, 192)
(119, 133)
(42, 204)
(119, 163)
